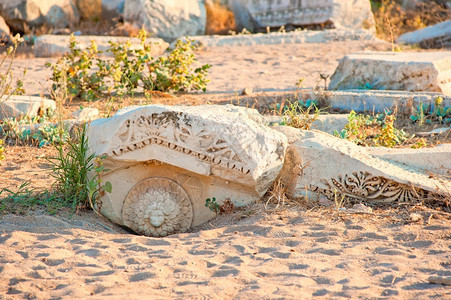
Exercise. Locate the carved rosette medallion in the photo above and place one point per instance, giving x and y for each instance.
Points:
(157, 207)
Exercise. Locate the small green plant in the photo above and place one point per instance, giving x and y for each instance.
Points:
(354, 130)
(48, 134)
(26, 198)
(96, 187)
(70, 170)
(419, 144)
(439, 114)
(378, 130)
(389, 135)
(174, 72)
(45, 133)
(298, 114)
(212, 205)
(74, 72)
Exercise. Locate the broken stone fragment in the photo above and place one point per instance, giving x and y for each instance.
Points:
(165, 161)
(405, 71)
(320, 163)
(15, 106)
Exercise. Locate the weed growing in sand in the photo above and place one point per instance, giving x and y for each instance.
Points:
(378, 130)
(70, 170)
(226, 206)
(33, 130)
(212, 205)
(26, 198)
(96, 187)
(428, 115)
(87, 76)
(6, 78)
(299, 114)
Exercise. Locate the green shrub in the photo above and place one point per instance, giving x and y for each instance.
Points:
(378, 130)
(87, 76)
(174, 72)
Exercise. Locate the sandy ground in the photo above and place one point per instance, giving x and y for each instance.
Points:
(287, 253)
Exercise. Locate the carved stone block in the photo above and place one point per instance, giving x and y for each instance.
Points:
(164, 162)
(405, 71)
(276, 13)
(320, 163)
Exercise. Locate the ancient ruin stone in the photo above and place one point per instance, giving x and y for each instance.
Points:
(168, 19)
(406, 71)
(435, 36)
(173, 158)
(24, 105)
(252, 15)
(56, 45)
(320, 163)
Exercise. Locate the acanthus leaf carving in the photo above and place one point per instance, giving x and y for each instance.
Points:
(367, 187)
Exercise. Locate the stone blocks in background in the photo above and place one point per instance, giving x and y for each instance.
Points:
(406, 71)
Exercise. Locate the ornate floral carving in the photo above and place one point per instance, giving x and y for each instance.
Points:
(157, 207)
(174, 131)
(366, 187)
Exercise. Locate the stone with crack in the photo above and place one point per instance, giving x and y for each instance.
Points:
(164, 162)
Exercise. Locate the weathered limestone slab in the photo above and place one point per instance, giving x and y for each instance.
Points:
(435, 36)
(320, 163)
(407, 71)
(56, 45)
(24, 105)
(168, 19)
(277, 38)
(165, 160)
(354, 14)
(373, 100)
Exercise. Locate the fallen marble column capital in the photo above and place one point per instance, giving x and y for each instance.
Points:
(165, 161)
